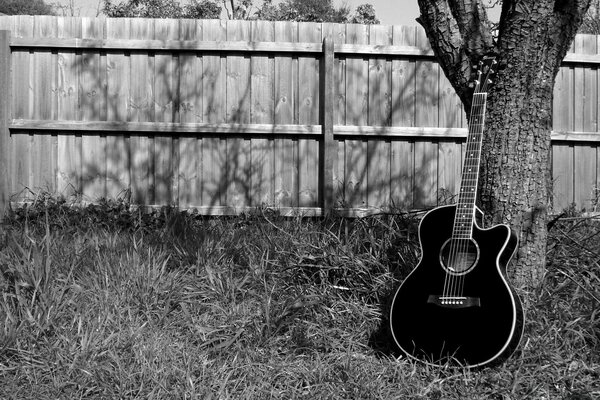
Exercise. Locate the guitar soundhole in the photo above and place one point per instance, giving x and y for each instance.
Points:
(459, 256)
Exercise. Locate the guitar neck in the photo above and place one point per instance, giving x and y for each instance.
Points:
(465, 208)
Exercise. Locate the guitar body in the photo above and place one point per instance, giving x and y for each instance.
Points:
(482, 324)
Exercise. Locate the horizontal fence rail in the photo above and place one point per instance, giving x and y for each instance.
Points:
(225, 116)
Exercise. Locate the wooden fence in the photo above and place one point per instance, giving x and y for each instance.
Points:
(226, 115)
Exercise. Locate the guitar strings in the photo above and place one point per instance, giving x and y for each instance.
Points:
(458, 256)
(476, 148)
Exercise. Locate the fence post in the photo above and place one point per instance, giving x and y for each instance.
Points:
(328, 148)
(5, 95)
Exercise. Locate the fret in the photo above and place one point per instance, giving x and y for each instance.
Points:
(465, 208)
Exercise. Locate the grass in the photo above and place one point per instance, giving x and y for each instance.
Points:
(106, 302)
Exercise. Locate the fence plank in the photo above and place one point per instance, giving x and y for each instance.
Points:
(590, 77)
(355, 161)
(44, 147)
(189, 178)
(380, 76)
(193, 46)
(563, 101)
(404, 80)
(562, 176)
(140, 108)
(449, 168)
(380, 107)
(69, 146)
(5, 103)
(165, 110)
(402, 174)
(357, 79)
(238, 111)
(338, 32)
(262, 110)
(118, 69)
(328, 151)
(214, 150)
(308, 113)
(286, 93)
(93, 146)
(427, 90)
(21, 92)
(426, 163)
(585, 177)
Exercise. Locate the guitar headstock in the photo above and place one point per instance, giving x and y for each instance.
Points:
(486, 70)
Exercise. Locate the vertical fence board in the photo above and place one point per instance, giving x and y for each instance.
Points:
(286, 87)
(239, 160)
(380, 79)
(44, 145)
(562, 176)
(403, 80)
(339, 117)
(357, 78)
(69, 146)
(118, 163)
(214, 150)
(590, 78)
(450, 106)
(328, 147)
(426, 173)
(5, 100)
(378, 178)
(357, 95)
(189, 178)
(402, 174)
(262, 110)
(308, 113)
(339, 37)
(22, 108)
(584, 175)
(427, 91)
(93, 146)
(356, 172)
(449, 169)
(379, 114)
(563, 100)
(7, 143)
(166, 101)
(140, 108)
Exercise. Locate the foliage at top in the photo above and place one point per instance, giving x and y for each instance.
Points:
(195, 9)
(365, 14)
(25, 7)
(591, 20)
(286, 10)
(316, 11)
(304, 10)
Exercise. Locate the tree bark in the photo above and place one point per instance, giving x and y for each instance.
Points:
(533, 38)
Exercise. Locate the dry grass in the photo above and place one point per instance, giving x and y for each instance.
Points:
(103, 302)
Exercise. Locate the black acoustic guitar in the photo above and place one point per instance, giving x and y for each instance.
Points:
(457, 307)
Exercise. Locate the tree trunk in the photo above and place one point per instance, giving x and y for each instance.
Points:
(533, 38)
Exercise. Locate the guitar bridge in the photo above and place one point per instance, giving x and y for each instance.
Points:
(454, 301)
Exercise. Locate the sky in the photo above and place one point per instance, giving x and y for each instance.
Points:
(390, 12)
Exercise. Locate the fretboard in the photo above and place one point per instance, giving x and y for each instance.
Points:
(465, 208)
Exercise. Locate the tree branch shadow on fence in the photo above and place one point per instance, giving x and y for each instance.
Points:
(373, 170)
